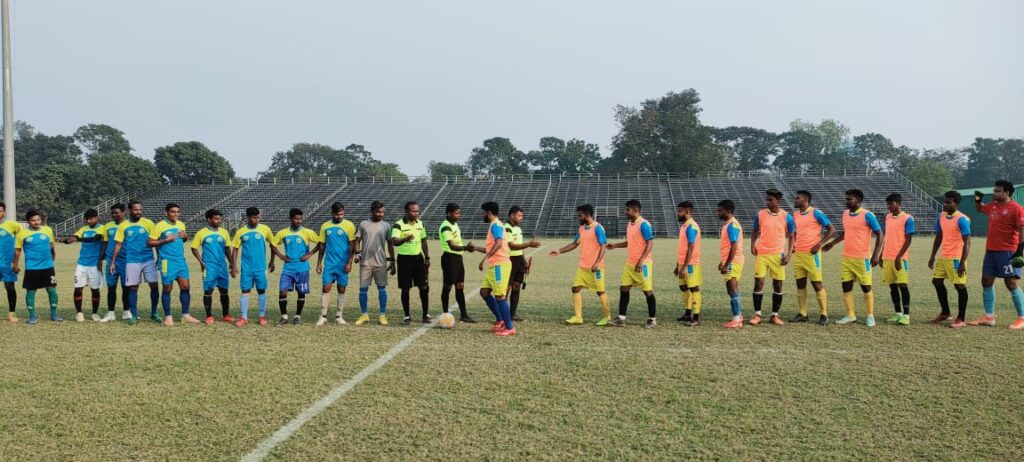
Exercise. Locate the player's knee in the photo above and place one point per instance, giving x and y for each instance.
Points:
(260, 291)
(1011, 283)
(222, 290)
(683, 288)
(960, 287)
(301, 296)
(865, 288)
(937, 282)
(208, 292)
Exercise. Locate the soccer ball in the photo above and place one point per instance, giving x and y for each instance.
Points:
(446, 321)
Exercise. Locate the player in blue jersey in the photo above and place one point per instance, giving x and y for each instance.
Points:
(36, 242)
(214, 243)
(299, 246)
(250, 247)
(9, 230)
(89, 271)
(168, 237)
(109, 231)
(336, 243)
(132, 238)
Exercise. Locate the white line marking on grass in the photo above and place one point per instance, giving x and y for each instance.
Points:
(263, 449)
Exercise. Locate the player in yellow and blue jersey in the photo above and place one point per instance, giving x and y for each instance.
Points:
(132, 238)
(9, 230)
(336, 243)
(299, 246)
(36, 242)
(89, 271)
(118, 267)
(169, 236)
(215, 244)
(250, 243)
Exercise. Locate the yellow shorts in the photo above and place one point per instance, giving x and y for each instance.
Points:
(589, 279)
(891, 276)
(856, 269)
(946, 268)
(807, 265)
(735, 271)
(496, 278)
(765, 265)
(643, 279)
(690, 277)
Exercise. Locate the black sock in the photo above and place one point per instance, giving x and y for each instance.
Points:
(124, 299)
(405, 302)
(78, 300)
(894, 294)
(905, 293)
(696, 317)
(12, 296)
(445, 293)
(940, 291)
(623, 302)
(425, 300)
(758, 298)
(652, 305)
(111, 299)
(282, 304)
(299, 304)
(95, 301)
(513, 301)
(961, 302)
(224, 302)
(208, 302)
(460, 298)
(776, 302)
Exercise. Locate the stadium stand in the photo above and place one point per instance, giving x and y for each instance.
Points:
(549, 201)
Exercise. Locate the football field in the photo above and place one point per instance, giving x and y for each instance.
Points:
(91, 391)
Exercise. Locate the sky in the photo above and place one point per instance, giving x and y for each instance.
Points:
(415, 81)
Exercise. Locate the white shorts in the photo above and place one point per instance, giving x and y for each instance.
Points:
(136, 273)
(88, 276)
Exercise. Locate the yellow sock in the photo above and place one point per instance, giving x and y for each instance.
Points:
(848, 302)
(869, 302)
(685, 295)
(605, 310)
(822, 301)
(801, 301)
(695, 301)
(577, 304)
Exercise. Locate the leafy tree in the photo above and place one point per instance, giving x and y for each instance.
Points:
(99, 138)
(313, 159)
(117, 173)
(192, 162)
(439, 170)
(665, 135)
(497, 156)
(799, 150)
(989, 159)
(751, 148)
(556, 156)
(923, 169)
(874, 151)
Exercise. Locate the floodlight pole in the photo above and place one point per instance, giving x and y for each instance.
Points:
(9, 192)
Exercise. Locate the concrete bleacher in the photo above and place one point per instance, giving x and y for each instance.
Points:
(549, 201)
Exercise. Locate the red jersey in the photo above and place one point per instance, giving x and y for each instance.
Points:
(1004, 221)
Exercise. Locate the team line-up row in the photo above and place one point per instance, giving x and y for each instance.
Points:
(779, 238)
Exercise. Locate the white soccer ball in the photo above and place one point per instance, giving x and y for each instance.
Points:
(446, 321)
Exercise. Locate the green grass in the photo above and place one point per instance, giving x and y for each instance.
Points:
(112, 392)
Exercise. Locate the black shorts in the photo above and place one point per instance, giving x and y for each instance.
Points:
(39, 279)
(411, 271)
(452, 269)
(518, 269)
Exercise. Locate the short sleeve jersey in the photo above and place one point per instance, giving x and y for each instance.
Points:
(1004, 221)
(809, 224)
(897, 228)
(401, 229)
(732, 233)
(373, 236)
(214, 245)
(9, 230)
(857, 229)
(953, 228)
(689, 233)
(337, 238)
(252, 244)
(133, 236)
(35, 244)
(772, 229)
(92, 239)
(590, 239)
(514, 235)
(638, 232)
(449, 231)
(110, 231)
(495, 232)
(297, 243)
(173, 251)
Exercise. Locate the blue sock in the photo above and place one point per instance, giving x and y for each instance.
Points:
(186, 301)
(364, 299)
(166, 298)
(734, 302)
(1018, 301)
(988, 296)
(382, 297)
(133, 303)
(154, 301)
(244, 302)
(506, 312)
(262, 300)
(492, 304)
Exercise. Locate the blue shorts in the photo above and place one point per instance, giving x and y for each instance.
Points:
(331, 276)
(253, 278)
(298, 282)
(997, 265)
(216, 278)
(7, 274)
(119, 276)
(171, 271)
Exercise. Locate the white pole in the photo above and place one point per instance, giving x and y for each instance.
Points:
(9, 192)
